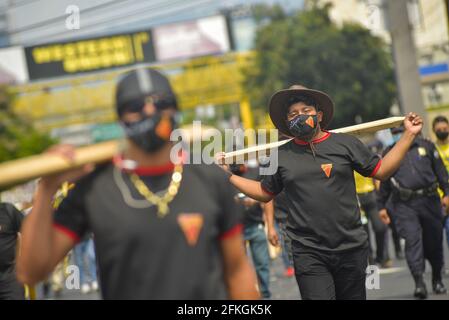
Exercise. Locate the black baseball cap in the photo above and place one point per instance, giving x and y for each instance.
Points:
(136, 86)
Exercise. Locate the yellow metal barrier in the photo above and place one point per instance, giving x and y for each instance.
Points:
(90, 99)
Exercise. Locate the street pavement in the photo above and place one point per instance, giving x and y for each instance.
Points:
(395, 283)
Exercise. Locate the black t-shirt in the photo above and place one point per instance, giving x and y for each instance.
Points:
(254, 214)
(142, 256)
(10, 222)
(321, 196)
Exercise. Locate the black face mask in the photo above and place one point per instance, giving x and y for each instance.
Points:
(303, 126)
(152, 132)
(442, 135)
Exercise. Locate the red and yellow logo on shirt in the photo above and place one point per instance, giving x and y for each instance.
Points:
(191, 224)
(310, 122)
(327, 168)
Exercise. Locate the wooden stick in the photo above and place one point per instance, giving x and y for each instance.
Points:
(359, 129)
(22, 170)
(19, 171)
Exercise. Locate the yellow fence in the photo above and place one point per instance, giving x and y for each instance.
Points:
(90, 99)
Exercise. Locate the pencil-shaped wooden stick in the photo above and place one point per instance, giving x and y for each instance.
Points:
(359, 129)
(20, 171)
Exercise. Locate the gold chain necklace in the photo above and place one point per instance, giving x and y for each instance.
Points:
(160, 201)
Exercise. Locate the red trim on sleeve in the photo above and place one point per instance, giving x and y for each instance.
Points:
(232, 232)
(267, 191)
(376, 168)
(71, 234)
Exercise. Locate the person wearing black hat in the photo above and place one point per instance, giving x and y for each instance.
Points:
(315, 169)
(416, 209)
(162, 229)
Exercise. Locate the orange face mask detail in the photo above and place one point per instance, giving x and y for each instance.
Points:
(164, 128)
(310, 122)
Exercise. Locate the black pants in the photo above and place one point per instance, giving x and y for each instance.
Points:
(369, 205)
(330, 276)
(10, 288)
(420, 222)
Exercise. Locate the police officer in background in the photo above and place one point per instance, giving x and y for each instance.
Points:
(416, 209)
(440, 126)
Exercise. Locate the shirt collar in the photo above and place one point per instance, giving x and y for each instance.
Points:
(326, 135)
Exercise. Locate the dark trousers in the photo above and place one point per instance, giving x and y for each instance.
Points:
(369, 205)
(10, 288)
(420, 222)
(285, 243)
(330, 276)
(396, 238)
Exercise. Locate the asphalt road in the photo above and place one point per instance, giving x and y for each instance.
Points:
(394, 283)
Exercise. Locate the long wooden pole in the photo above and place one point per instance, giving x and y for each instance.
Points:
(359, 129)
(20, 171)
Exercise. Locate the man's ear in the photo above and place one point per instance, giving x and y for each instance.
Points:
(320, 116)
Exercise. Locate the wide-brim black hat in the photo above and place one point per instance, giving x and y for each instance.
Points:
(279, 104)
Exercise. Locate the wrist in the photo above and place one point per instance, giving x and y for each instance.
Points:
(410, 135)
(48, 186)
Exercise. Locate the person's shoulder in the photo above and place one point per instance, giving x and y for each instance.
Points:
(343, 137)
(8, 208)
(206, 171)
(282, 151)
(287, 145)
(429, 145)
(86, 181)
(425, 142)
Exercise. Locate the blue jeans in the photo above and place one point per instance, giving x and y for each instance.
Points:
(84, 255)
(255, 235)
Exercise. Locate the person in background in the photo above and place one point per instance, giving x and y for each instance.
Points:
(417, 210)
(440, 126)
(163, 229)
(253, 213)
(10, 222)
(84, 255)
(366, 192)
(316, 170)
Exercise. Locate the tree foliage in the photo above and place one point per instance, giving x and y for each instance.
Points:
(18, 138)
(348, 62)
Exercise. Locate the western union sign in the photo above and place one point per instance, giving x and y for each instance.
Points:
(68, 58)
